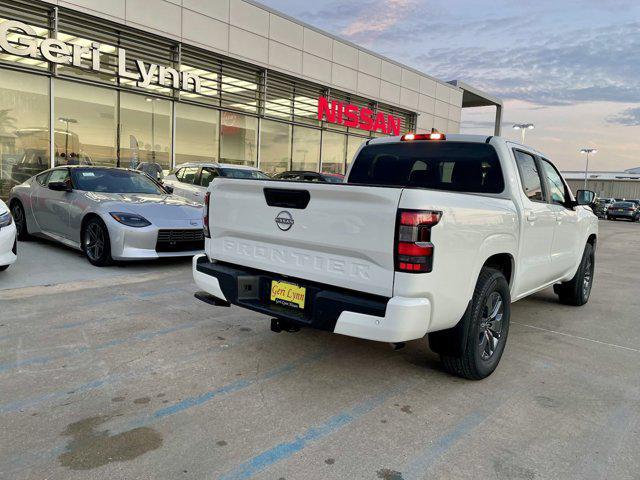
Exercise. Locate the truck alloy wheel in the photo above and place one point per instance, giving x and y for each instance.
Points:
(482, 332)
(491, 325)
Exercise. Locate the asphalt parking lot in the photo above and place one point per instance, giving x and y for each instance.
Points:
(120, 373)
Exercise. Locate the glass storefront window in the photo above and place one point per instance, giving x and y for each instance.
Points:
(353, 143)
(239, 90)
(306, 149)
(24, 127)
(208, 86)
(306, 110)
(86, 124)
(196, 134)
(145, 132)
(275, 147)
(238, 139)
(333, 152)
(108, 61)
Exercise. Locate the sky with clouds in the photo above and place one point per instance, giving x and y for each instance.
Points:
(570, 67)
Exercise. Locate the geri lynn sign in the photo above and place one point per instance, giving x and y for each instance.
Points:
(18, 38)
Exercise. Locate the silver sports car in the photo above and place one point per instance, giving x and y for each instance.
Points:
(108, 213)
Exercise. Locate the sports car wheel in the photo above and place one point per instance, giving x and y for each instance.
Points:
(96, 243)
(17, 212)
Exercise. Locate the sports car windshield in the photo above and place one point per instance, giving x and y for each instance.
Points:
(109, 180)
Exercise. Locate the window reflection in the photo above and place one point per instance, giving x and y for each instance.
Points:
(24, 127)
(196, 134)
(306, 149)
(333, 152)
(275, 147)
(353, 143)
(238, 139)
(85, 129)
(145, 132)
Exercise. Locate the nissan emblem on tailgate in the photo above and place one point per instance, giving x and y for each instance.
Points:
(284, 220)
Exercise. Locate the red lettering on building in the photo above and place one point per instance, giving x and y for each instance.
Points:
(351, 115)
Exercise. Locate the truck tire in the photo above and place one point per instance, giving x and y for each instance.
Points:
(576, 292)
(482, 333)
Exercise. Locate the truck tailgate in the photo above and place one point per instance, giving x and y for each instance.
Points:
(343, 236)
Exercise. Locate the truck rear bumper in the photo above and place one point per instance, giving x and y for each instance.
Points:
(405, 319)
(371, 317)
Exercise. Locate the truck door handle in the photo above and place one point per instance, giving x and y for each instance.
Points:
(531, 216)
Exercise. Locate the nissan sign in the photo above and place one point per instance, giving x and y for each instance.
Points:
(351, 115)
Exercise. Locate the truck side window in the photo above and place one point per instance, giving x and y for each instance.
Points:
(558, 191)
(531, 180)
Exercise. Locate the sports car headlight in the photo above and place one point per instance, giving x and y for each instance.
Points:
(5, 219)
(130, 219)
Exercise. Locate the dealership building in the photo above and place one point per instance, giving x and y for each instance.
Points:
(123, 82)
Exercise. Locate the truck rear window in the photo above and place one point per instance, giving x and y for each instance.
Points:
(454, 166)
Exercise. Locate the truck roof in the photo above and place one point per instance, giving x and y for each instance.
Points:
(459, 137)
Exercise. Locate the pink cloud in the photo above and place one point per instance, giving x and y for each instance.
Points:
(381, 17)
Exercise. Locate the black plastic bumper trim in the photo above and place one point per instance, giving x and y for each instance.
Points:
(323, 303)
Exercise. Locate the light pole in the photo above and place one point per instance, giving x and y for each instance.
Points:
(523, 127)
(587, 152)
(67, 120)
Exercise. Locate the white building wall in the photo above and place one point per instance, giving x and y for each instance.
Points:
(246, 30)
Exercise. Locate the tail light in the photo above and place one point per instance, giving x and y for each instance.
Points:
(631, 209)
(205, 215)
(414, 250)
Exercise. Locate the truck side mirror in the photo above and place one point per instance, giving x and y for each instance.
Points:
(585, 197)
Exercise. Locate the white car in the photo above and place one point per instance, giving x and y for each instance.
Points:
(429, 235)
(8, 240)
(190, 180)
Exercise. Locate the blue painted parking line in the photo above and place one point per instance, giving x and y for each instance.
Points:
(232, 387)
(20, 462)
(138, 337)
(332, 425)
(113, 379)
(112, 299)
(419, 466)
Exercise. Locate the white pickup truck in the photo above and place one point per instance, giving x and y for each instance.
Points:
(428, 235)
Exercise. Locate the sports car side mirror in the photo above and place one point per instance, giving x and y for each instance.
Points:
(59, 186)
(168, 188)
